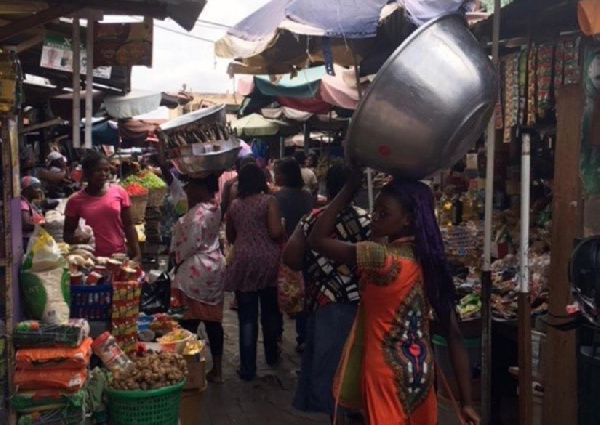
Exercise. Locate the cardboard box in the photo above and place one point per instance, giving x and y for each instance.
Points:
(191, 407)
(196, 379)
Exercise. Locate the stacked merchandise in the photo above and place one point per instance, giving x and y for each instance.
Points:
(51, 370)
(92, 283)
(464, 243)
(505, 280)
(126, 302)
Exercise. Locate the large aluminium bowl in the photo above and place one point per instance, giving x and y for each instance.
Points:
(198, 159)
(428, 104)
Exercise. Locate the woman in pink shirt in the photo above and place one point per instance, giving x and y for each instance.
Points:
(105, 208)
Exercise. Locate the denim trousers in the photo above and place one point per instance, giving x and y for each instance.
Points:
(248, 308)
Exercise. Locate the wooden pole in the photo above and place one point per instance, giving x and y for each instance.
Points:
(76, 118)
(89, 83)
(524, 314)
(560, 392)
(486, 276)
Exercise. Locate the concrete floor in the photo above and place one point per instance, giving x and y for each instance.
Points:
(267, 400)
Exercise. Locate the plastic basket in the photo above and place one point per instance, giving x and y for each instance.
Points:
(156, 197)
(91, 302)
(138, 207)
(153, 407)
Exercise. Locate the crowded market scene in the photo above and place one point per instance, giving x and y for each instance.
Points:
(239, 212)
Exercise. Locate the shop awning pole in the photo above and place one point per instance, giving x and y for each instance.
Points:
(486, 275)
(76, 117)
(524, 316)
(89, 83)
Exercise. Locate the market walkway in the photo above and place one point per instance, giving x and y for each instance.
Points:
(265, 401)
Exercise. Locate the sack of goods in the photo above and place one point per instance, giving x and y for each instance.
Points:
(44, 280)
(51, 370)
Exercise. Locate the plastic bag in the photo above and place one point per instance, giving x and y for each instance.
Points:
(45, 399)
(156, 296)
(55, 223)
(55, 358)
(33, 334)
(44, 280)
(30, 380)
(85, 232)
(68, 416)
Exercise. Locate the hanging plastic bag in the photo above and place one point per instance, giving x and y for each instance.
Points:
(156, 296)
(44, 280)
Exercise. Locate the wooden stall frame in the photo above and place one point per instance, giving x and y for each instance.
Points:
(560, 395)
(10, 191)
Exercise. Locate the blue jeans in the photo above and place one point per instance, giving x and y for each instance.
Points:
(248, 324)
(327, 328)
(301, 321)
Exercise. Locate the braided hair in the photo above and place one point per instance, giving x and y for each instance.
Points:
(417, 200)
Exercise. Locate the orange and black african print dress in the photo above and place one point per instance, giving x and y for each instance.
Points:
(387, 369)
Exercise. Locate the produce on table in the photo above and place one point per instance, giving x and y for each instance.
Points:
(135, 189)
(151, 181)
(193, 348)
(151, 371)
(177, 335)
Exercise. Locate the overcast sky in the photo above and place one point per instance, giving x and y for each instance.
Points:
(181, 59)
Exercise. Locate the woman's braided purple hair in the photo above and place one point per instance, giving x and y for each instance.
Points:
(417, 199)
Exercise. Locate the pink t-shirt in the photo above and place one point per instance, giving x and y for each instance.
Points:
(103, 215)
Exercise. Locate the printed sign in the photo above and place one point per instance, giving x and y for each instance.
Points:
(127, 44)
(57, 53)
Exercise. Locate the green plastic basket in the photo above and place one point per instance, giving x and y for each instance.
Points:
(152, 407)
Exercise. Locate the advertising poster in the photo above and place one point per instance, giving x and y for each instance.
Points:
(127, 44)
(57, 53)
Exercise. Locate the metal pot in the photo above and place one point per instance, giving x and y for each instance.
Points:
(428, 104)
(198, 159)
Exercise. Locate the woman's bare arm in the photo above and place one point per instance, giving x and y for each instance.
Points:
(320, 236)
(131, 234)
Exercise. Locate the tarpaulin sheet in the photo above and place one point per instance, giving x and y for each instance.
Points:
(304, 84)
(339, 18)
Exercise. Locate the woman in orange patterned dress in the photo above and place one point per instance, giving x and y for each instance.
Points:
(388, 369)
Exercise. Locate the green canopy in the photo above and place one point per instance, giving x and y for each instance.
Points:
(256, 125)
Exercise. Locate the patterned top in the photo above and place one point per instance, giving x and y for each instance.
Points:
(398, 373)
(255, 258)
(195, 244)
(326, 281)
